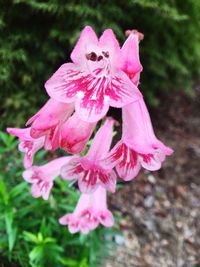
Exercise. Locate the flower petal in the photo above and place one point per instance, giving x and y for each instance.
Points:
(130, 56)
(53, 113)
(27, 174)
(129, 166)
(72, 170)
(122, 91)
(75, 133)
(64, 83)
(91, 110)
(94, 90)
(125, 159)
(106, 218)
(22, 134)
(101, 142)
(114, 156)
(52, 140)
(108, 180)
(88, 182)
(28, 161)
(109, 43)
(151, 162)
(64, 220)
(128, 170)
(36, 191)
(85, 44)
(84, 229)
(140, 137)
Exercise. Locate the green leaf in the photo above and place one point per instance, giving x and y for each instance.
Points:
(7, 139)
(83, 238)
(4, 192)
(84, 263)
(36, 255)
(49, 240)
(30, 237)
(18, 189)
(69, 262)
(11, 230)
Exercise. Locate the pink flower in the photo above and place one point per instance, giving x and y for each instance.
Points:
(90, 211)
(48, 122)
(75, 134)
(27, 144)
(42, 177)
(130, 56)
(139, 145)
(94, 80)
(88, 170)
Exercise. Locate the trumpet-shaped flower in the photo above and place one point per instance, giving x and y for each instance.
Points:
(48, 122)
(139, 145)
(75, 133)
(94, 80)
(130, 56)
(90, 211)
(42, 177)
(89, 170)
(27, 144)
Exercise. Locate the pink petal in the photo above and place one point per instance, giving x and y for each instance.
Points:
(136, 79)
(151, 162)
(108, 180)
(127, 170)
(75, 133)
(48, 117)
(69, 218)
(72, 170)
(27, 174)
(92, 110)
(35, 190)
(73, 228)
(69, 83)
(102, 141)
(114, 156)
(98, 92)
(85, 44)
(125, 159)
(52, 140)
(23, 134)
(28, 161)
(129, 166)
(46, 192)
(64, 219)
(109, 43)
(93, 177)
(62, 85)
(84, 229)
(130, 57)
(122, 91)
(94, 91)
(88, 182)
(106, 218)
(140, 137)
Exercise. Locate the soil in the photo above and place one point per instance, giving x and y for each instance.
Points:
(161, 210)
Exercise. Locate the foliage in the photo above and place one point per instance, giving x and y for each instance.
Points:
(36, 36)
(30, 234)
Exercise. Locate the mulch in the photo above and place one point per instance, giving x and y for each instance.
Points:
(161, 210)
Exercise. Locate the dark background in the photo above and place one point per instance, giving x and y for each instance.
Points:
(36, 37)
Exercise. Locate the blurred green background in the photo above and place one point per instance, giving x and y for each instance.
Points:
(36, 37)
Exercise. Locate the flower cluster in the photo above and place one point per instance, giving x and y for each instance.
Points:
(101, 75)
